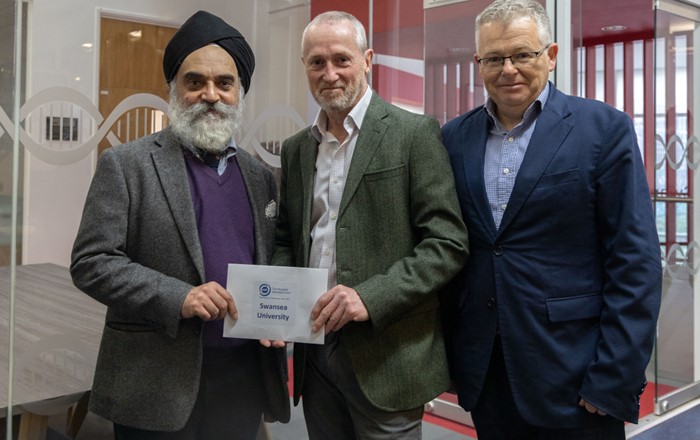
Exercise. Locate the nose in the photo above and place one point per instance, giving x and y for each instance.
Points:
(330, 74)
(508, 66)
(210, 94)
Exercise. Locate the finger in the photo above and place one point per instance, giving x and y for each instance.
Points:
(336, 321)
(202, 312)
(211, 309)
(319, 322)
(231, 307)
(331, 324)
(219, 307)
(324, 316)
(321, 304)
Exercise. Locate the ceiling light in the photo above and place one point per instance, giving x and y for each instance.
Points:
(613, 28)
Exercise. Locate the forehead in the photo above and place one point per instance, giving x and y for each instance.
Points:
(330, 38)
(211, 59)
(519, 34)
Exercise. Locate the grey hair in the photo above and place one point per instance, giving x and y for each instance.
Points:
(331, 17)
(506, 11)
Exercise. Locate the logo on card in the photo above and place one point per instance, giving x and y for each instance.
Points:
(264, 289)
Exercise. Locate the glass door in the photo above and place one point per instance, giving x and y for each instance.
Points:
(677, 157)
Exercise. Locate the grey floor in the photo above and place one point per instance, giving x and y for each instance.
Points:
(683, 425)
(97, 428)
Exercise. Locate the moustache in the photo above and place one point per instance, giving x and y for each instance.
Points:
(202, 109)
(334, 85)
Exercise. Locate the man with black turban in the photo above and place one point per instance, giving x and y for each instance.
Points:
(163, 218)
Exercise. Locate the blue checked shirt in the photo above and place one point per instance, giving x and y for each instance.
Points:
(505, 151)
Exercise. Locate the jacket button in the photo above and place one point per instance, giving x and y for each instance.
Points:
(491, 302)
(498, 251)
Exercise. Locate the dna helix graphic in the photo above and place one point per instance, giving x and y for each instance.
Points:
(275, 123)
(688, 152)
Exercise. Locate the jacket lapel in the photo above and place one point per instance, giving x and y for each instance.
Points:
(169, 163)
(308, 153)
(474, 167)
(373, 128)
(257, 198)
(550, 132)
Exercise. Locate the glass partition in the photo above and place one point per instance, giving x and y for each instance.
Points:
(13, 22)
(644, 65)
(641, 60)
(676, 367)
(50, 342)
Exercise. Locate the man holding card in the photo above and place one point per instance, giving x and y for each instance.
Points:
(164, 217)
(367, 193)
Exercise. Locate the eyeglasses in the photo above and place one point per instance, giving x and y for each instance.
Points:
(518, 60)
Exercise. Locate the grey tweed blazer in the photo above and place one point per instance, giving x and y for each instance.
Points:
(137, 251)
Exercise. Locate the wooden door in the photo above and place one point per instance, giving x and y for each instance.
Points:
(131, 62)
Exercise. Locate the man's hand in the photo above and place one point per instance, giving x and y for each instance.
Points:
(336, 308)
(209, 301)
(274, 344)
(590, 408)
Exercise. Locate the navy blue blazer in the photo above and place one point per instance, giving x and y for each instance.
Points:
(573, 273)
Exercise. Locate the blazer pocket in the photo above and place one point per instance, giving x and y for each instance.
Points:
(558, 178)
(131, 327)
(384, 174)
(574, 307)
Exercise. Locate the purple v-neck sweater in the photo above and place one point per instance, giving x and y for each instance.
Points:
(226, 229)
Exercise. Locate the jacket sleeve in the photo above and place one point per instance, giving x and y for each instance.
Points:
(615, 378)
(113, 259)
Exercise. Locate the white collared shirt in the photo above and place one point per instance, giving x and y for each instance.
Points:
(332, 165)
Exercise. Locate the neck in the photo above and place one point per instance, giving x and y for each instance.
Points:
(335, 124)
(510, 119)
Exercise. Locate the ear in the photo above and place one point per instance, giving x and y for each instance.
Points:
(552, 52)
(369, 54)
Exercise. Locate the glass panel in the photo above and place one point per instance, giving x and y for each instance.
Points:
(656, 75)
(58, 328)
(675, 164)
(397, 40)
(452, 83)
(11, 96)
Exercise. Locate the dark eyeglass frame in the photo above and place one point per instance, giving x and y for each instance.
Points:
(526, 57)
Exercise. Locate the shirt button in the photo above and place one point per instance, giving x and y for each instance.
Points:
(506, 170)
(335, 180)
(334, 215)
(326, 252)
(511, 139)
(503, 207)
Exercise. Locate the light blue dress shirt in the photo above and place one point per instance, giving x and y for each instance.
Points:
(505, 150)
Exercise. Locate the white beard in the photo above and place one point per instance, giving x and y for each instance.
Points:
(197, 126)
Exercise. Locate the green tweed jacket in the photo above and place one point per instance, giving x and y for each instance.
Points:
(400, 238)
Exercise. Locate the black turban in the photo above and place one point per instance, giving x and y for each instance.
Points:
(200, 30)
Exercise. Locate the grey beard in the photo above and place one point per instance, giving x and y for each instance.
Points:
(196, 127)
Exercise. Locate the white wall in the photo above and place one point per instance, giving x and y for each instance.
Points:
(54, 193)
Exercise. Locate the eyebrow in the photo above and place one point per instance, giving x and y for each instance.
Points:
(198, 75)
